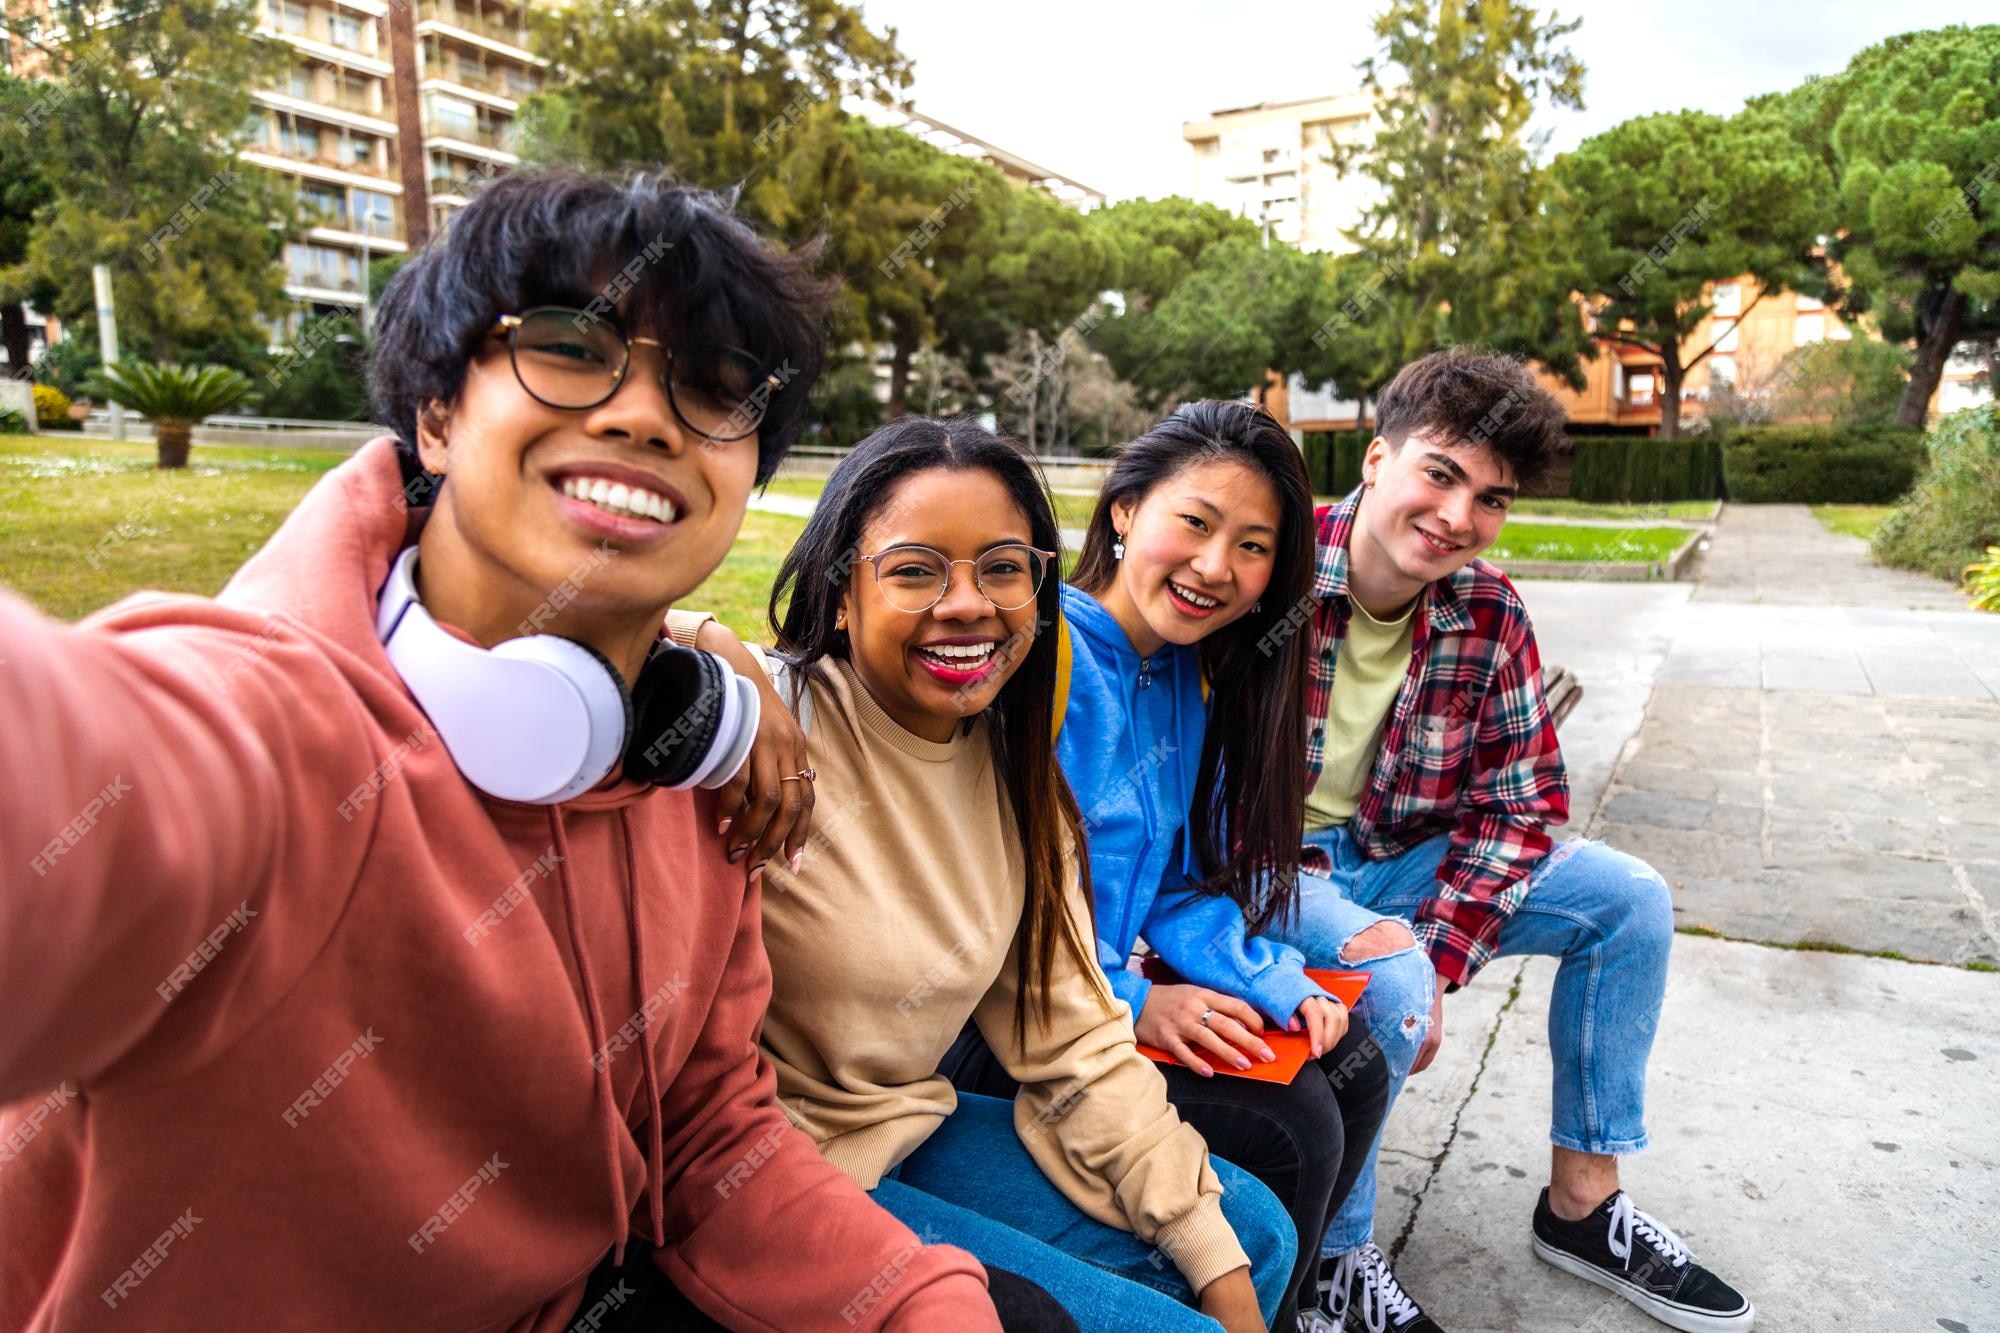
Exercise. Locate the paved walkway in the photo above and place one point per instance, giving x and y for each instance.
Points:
(1808, 747)
(1780, 555)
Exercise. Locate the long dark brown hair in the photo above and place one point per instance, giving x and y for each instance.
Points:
(1247, 822)
(805, 602)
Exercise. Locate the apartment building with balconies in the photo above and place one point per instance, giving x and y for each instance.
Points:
(473, 66)
(386, 117)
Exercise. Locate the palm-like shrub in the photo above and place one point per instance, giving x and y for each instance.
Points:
(174, 398)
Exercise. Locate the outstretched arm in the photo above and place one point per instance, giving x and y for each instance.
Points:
(142, 817)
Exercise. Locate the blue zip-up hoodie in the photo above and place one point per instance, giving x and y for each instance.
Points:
(1130, 746)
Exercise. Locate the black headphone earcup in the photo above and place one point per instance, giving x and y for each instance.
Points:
(677, 711)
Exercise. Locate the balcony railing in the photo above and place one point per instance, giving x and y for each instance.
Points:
(502, 138)
(319, 92)
(365, 224)
(348, 100)
(319, 28)
(322, 158)
(499, 30)
(323, 280)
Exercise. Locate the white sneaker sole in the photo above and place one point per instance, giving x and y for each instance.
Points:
(1683, 1317)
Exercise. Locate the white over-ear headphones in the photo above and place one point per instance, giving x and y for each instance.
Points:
(541, 719)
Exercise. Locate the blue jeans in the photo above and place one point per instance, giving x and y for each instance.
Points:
(972, 1184)
(1608, 917)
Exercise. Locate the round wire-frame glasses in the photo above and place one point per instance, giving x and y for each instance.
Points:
(915, 578)
(573, 360)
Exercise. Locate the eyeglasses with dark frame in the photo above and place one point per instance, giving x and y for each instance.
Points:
(572, 360)
(1007, 576)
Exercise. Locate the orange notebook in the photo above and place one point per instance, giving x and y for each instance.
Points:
(1293, 1049)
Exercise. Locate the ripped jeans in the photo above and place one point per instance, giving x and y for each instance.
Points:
(1608, 917)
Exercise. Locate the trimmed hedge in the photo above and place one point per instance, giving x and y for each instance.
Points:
(1605, 469)
(1638, 469)
(1821, 464)
(1333, 459)
(1752, 465)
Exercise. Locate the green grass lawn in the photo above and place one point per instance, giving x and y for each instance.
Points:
(1851, 520)
(86, 522)
(1073, 507)
(1549, 541)
(740, 588)
(1640, 513)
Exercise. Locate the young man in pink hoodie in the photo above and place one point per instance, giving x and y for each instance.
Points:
(304, 1029)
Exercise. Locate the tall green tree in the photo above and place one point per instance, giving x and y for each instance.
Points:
(1910, 131)
(1658, 207)
(24, 190)
(1457, 227)
(722, 92)
(136, 134)
(1207, 341)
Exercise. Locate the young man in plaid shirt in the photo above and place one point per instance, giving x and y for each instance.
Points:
(1435, 776)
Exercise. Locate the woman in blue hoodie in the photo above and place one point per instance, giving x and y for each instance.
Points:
(1184, 741)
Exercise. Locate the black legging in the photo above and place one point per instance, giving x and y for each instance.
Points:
(1306, 1140)
(651, 1303)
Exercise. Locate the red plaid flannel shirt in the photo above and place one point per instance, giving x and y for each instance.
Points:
(1469, 747)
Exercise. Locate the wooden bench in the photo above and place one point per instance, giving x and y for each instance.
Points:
(1563, 691)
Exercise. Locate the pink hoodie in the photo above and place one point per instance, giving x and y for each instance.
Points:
(304, 1032)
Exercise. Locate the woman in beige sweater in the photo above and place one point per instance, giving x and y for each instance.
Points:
(940, 884)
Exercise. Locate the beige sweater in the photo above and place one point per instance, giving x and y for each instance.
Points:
(901, 925)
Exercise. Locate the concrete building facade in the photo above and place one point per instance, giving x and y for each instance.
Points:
(1268, 163)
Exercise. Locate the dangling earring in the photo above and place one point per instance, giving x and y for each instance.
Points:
(1257, 605)
(1118, 547)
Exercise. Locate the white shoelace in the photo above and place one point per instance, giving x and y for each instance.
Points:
(1625, 1219)
(1382, 1297)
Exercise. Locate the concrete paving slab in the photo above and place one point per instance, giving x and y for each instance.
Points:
(1855, 820)
(1426, 1117)
(1615, 638)
(1822, 1131)
(1931, 673)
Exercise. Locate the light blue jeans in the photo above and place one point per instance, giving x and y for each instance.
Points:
(972, 1184)
(1608, 917)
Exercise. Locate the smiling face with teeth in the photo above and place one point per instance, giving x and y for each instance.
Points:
(536, 497)
(1199, 552)
(1432, 504)
(929, 670)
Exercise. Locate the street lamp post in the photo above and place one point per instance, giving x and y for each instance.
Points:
(107, 336)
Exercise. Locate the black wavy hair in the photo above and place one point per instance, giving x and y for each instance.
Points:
(655, 252)
(1247, 818)
(805, 602)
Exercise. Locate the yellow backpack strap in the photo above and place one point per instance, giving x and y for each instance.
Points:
(1204, 684)
(1062, 677)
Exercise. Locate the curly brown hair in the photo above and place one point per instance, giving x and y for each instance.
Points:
(1470, 396)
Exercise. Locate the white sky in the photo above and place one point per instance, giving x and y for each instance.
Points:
(1098, 89)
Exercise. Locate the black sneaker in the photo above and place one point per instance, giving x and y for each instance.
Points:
(1359, 1293)
(1623, 1250)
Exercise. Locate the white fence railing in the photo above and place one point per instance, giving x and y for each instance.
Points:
(278, 432)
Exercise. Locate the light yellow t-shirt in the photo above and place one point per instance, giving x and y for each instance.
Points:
(1374, 658)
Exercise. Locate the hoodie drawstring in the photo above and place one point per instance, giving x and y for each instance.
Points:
(594, 1020)
(656, 1170)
